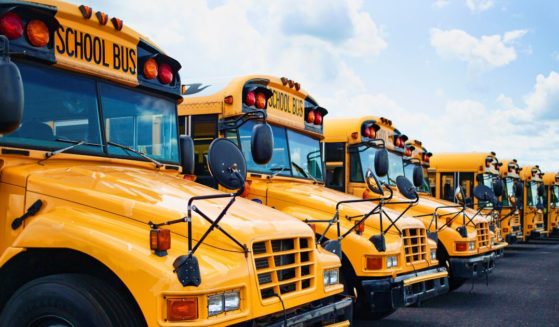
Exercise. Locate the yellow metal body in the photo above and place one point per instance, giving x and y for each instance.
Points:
(100, 207)
(533, 224)
(511, 226)
(348, 132)
(551, 182)
(469, 168)
(304, 198)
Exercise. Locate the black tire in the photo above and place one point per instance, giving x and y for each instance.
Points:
(68, 300)
(444, 260)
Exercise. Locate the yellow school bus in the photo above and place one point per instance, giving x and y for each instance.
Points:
(532, 212)
(471, 170)
(509, 217)
(98, 225)
(385, 265)
(352, 146)
(551, 201)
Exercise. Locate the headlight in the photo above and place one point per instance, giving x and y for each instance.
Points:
(391, 261)
(471, 246)
(224, 302)
(331, 277)
(433, 254)
(492, 242)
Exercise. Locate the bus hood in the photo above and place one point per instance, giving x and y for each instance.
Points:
(427, 205)
(146, 195)
(320, 198)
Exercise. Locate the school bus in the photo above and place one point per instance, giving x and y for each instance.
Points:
(471, 170)
(352, 146)
(98, 225)
(532, 212)
(509, 217)
(385, 265)
(551, 201)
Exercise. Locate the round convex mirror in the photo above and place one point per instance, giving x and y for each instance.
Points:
(406, 188)
(262, 143)
(227, 164)
(373, 183)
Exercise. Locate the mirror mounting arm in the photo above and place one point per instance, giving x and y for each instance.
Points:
(256, 114)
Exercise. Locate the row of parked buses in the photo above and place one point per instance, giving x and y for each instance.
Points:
(128, 198)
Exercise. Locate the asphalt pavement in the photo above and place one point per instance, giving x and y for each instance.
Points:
(523, 290)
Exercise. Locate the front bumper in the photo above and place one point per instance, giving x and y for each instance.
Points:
(334, 311)
(511, 238)
(536, 233)
(390, 293)
(500, 249)
(472, 267)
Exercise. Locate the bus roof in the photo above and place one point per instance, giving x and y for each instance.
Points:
(551, 178)
(512, 172)
(531, 173)
(341, 129)
(464, 161)
(91, 42)
(287, 104)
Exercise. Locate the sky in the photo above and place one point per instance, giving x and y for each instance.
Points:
(459, 75)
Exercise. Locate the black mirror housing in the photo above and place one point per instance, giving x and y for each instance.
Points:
(381, 162)
(417, 176)
(262, 143)
(227, 164)
(498, 188)
(187, 154)
(11, 97)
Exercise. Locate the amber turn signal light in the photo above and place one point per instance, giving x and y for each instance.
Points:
(182, 309)
(373, 263)
(38, 33)
(461, 246)
(160, 240)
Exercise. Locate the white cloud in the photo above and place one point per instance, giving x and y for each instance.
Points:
(441, 3)
(543, 101)
(479, 5)
(486, 52)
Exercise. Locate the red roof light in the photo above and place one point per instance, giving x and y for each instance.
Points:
(165, 74)
(11, 26)
(250, 99)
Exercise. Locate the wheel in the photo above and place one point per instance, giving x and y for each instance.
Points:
(68, 300)
(444, 259)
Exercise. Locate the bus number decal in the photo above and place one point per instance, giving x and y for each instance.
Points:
(83, 46)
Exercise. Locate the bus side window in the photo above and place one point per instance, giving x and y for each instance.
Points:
(433, 183)
(203, 132)
(335, 165)
(467, 183)
(447, 186)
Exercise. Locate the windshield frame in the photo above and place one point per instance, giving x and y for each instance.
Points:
(425, 187)
(555, 194)
(533, 198)
(103, 145)
(363, 153)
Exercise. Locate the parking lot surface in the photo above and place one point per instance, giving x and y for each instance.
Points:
(523, 291)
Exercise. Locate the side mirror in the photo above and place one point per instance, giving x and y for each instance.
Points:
(406, 188)
(540, 190)
(262, 143)
(11, 97)
(187, 154)
(417, 176)
(498, 188)
(227, 164)
(519, 190)
(512, 200)
(459, 195)
(484, 193)
(373, 183)
(381, 162)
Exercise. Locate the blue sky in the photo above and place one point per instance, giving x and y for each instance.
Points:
(460, 75)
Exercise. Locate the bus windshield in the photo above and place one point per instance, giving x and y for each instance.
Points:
(508, 190)
(408, 173)
(61, 108)
(395, 165)
(555, 195)
(295, 154)
(533, 194)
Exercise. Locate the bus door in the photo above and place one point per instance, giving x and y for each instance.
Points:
(334, 154)
(449, 182)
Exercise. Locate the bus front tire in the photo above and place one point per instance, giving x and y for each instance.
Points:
(68, 300)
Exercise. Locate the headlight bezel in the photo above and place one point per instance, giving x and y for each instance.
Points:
(220, 302)
(331, 277)
(433, 254)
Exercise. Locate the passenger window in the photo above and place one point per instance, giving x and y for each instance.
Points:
(204, 131)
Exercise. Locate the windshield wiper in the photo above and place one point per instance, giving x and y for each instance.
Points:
(75, 144)
(141, 154)
(278, 170)
(304, 172)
